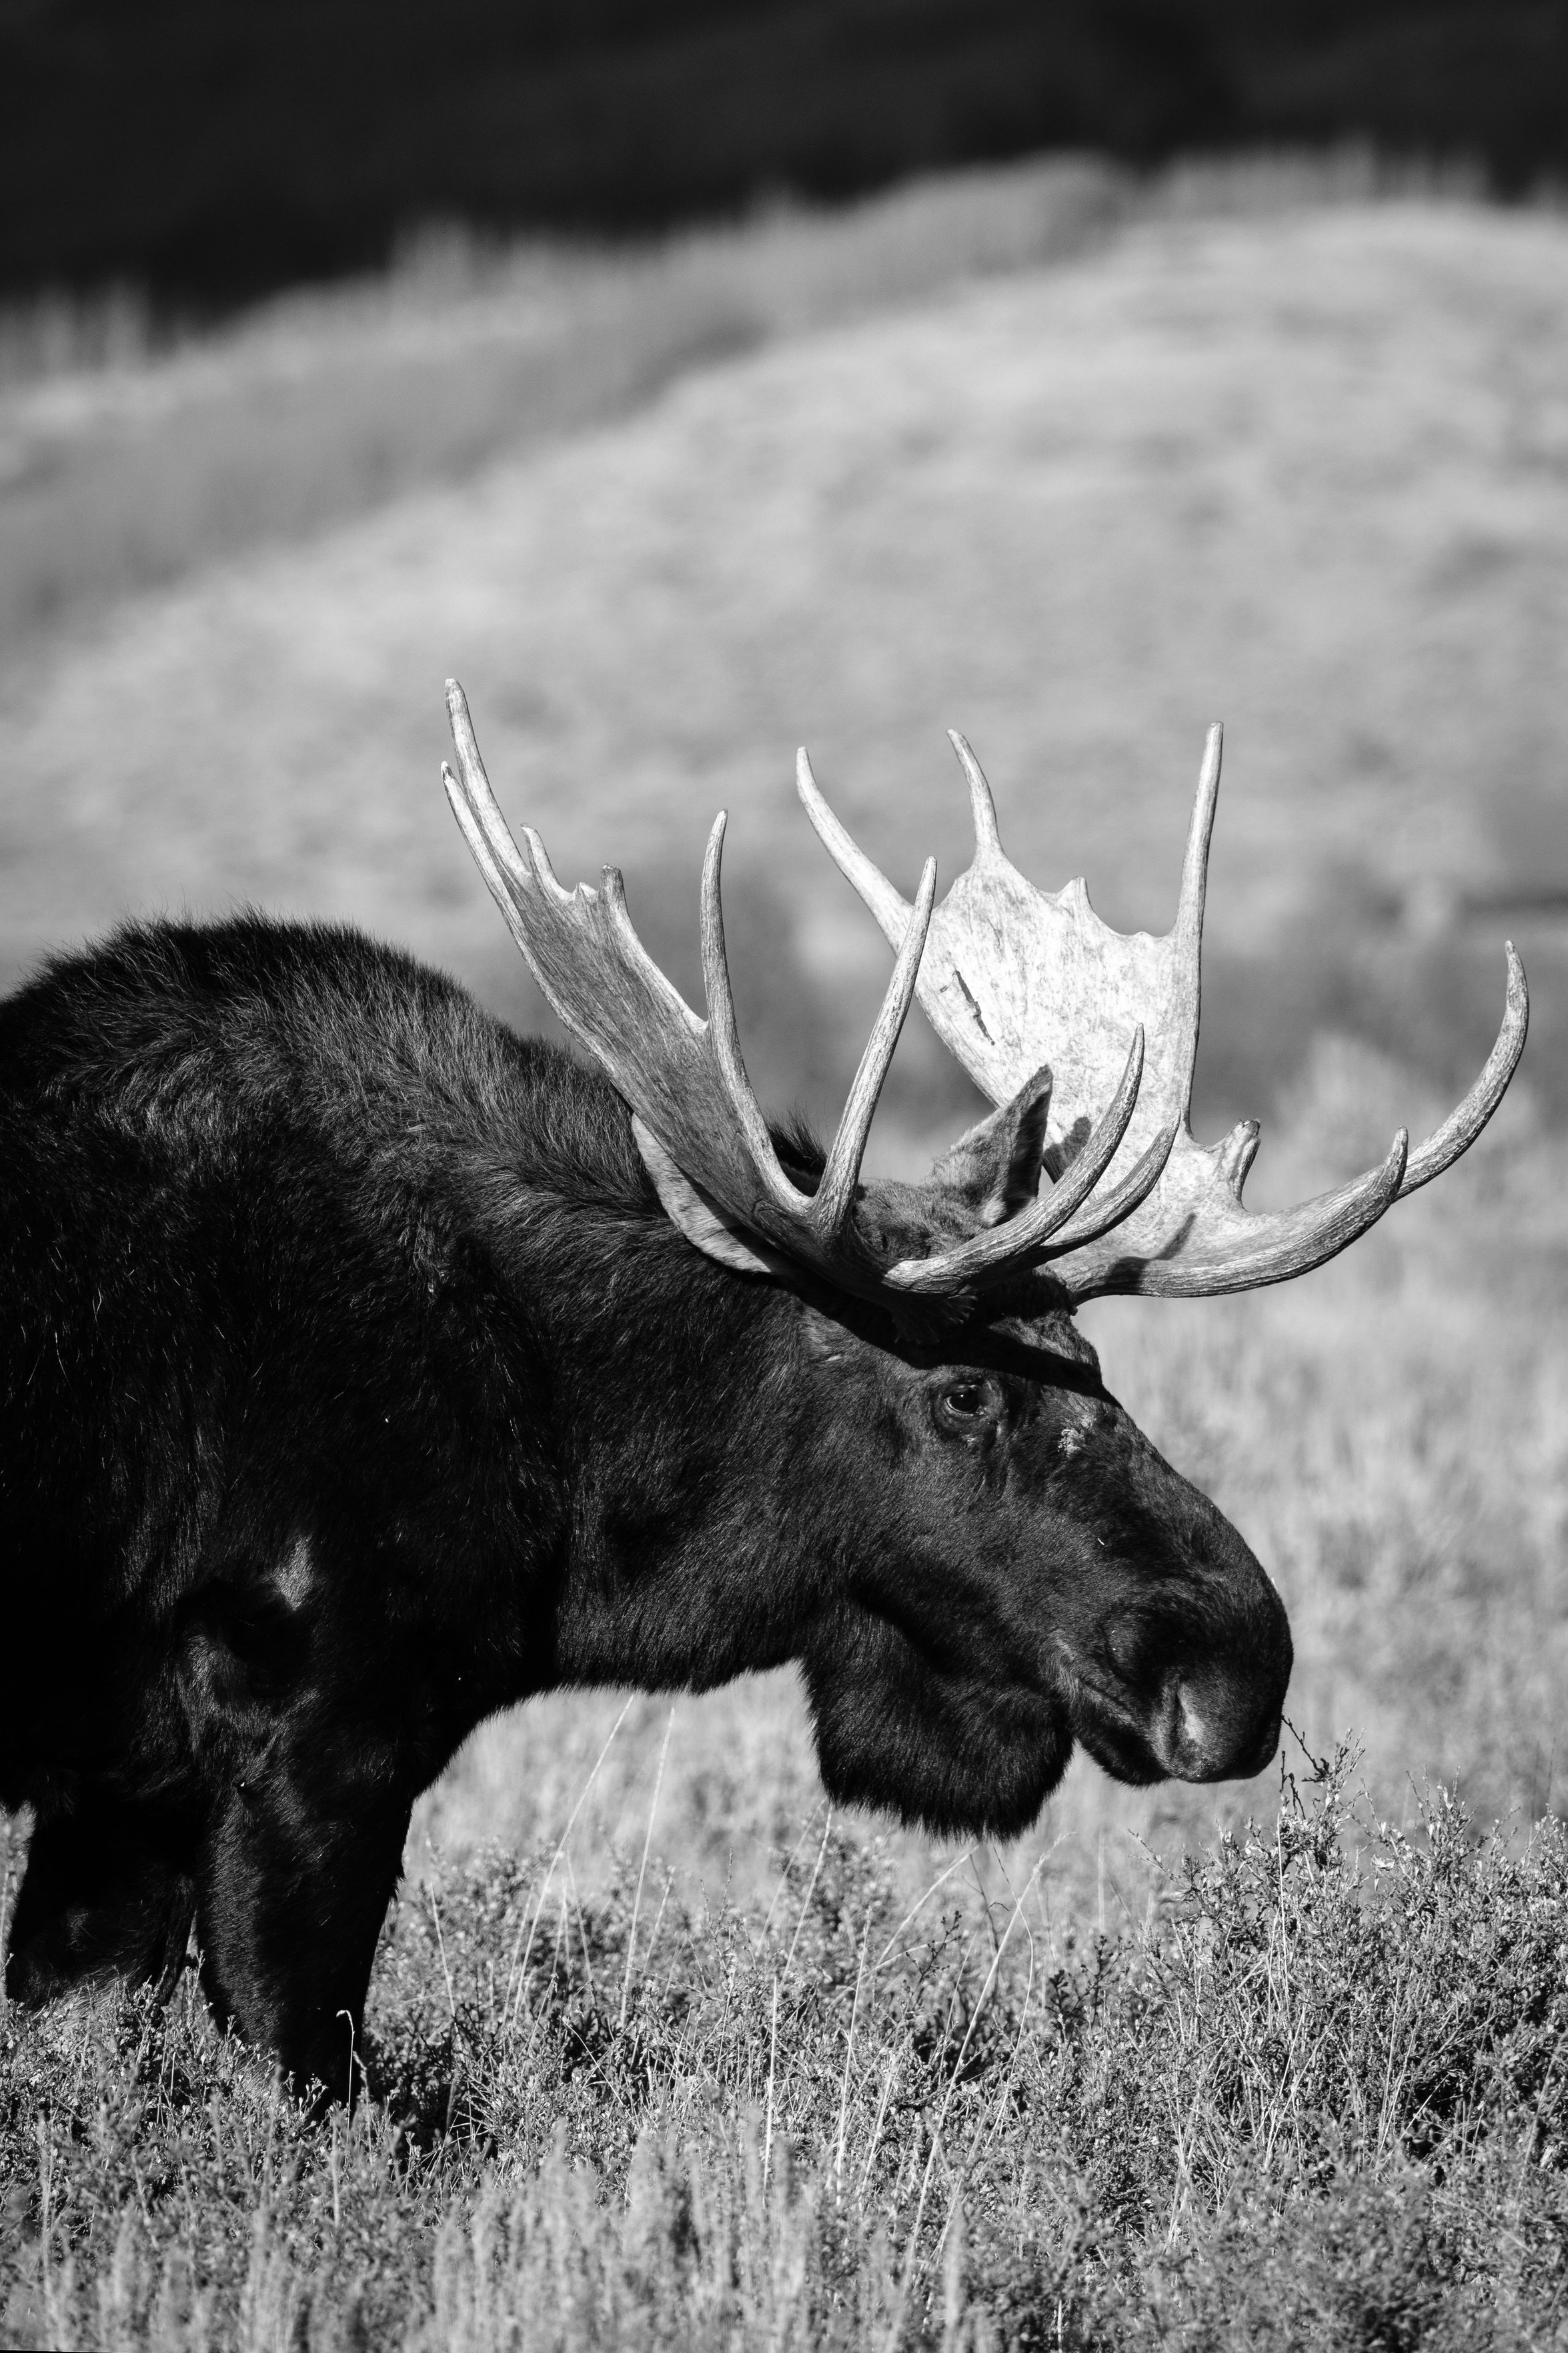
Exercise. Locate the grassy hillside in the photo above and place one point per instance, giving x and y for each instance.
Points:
(1301, 467)
(132, 454)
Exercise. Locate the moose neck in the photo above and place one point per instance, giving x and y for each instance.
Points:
(677, 1419)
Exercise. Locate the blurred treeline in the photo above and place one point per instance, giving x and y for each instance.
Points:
(215, 149)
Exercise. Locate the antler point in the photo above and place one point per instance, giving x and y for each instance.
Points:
(987, 840)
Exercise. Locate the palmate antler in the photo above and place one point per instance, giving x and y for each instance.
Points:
(699, 1126)
(1013, 977)
(1071, 1028)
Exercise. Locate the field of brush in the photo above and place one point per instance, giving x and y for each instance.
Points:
(666, 2051)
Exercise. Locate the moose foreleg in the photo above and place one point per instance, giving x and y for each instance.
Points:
(297, 1874)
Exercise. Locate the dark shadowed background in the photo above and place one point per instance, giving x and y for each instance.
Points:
(218, 148)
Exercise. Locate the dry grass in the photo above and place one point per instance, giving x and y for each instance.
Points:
(1314, 2099)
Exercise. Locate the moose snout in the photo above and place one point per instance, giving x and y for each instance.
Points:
(1200, 1734)
(1207, 1709)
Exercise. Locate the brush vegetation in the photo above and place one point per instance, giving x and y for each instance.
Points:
(1316, 2098)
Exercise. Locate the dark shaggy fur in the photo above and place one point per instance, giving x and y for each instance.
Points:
(354, 1384)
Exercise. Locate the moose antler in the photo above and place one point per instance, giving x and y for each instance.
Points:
(1015, 976)
(699, 1126)
(683, 1077)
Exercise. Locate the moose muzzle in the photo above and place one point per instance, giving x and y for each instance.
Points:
(1189, 1684)
(1209, 1728)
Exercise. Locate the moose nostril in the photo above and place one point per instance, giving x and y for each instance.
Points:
(1200, 1737)
(1123, 1641)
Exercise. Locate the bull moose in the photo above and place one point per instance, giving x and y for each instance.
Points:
(367, 1366)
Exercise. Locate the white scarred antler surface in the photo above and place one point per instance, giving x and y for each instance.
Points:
(1014, 977)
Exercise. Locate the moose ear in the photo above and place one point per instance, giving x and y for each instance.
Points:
(996, 1167)
(704, 1225)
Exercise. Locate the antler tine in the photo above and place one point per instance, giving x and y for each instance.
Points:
(1200, 833)
(1188, 936)
(988, 838)
(1219, 1246)
(475, 789)
(658, 984)
(1319, 1229)
(724, 1034)
(1114, 1209)
(485, 828)
(1101, 1148)
(888, 905)
(1464, 1122)
(507, 881)
(836, 1194)
(544, 872)
(510, 873)
(474, 835)
(1002, 1250)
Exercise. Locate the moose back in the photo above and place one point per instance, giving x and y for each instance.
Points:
(365, 1367)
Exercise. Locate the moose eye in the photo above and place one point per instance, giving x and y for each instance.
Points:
(965, 1406)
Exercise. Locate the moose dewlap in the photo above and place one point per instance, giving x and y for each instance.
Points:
(367, 1366)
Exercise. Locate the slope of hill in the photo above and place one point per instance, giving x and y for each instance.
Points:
(1306, 471)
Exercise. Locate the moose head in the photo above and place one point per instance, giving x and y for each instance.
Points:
(1020, 1570)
